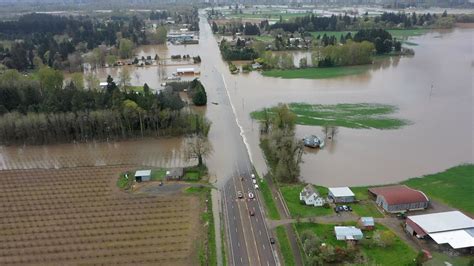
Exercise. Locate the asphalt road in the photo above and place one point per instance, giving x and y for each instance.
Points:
(248, 238)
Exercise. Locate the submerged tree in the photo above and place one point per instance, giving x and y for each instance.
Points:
(198, 147)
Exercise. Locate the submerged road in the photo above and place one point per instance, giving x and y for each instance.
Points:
(248, 236)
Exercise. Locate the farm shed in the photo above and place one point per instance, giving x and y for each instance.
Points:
(399, 198)
(341, 194)
(310, 196)
(453, 228)
(348, 233)
(143, 175)
(186, 71)
(366, 223)
(175, 173)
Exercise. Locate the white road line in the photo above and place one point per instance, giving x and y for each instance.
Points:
(263, 246)
(236, 229)
(238, 244)
(260, 232)
(234, 217)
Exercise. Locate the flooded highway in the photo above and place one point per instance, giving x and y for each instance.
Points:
(433, 90)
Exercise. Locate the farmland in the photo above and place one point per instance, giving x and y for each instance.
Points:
(78, 216)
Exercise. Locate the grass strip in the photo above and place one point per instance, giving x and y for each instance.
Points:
(285, 246)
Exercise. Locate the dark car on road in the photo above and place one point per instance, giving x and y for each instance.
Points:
(251, 212)
(240, 194)
(272, 240)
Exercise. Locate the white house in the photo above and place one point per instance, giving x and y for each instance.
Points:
(311, 197)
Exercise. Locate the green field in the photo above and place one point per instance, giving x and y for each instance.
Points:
(362, 115)
(397, 254)
(317, 72)
(453, 186)
(285, 246)
(399, 34)
(291, 194)
(271, 15)
(366, 209)
(271, 208)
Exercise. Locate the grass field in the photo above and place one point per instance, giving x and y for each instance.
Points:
(399, 34)
(362, 115)
(317, 72)
(272, 210)
(291, 194)
(452, 186)
(285, 246)
(366, 209)
(267, 15)
(76, 216)
(397, 254)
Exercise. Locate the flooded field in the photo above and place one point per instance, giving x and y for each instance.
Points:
(164, 152)
(433, 90)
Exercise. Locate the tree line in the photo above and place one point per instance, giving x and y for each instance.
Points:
(241, 50)
(42, 110)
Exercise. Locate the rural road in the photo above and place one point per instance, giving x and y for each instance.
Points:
(248, 237)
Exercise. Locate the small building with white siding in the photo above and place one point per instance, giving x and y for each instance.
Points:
(341, 194)
(311, 197)
(348, 233)
(143, 175)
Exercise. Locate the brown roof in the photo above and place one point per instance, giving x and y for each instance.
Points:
(399, 194)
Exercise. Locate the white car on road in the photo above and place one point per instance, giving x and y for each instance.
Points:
(251, 196)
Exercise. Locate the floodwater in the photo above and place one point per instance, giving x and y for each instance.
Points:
(163, 152)
(433, 89)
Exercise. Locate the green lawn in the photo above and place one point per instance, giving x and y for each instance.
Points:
(271, 208)
(362, 115)
(264, 38)
(124, 183)
(284, 243)
(317, 72)
(440, 258)
(291, 194)
(397, 254)
(158, 174)
(192, 176)
(453, 186)
(366, 209)
(267, 15)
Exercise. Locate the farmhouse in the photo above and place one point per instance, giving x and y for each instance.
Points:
(310, 196)
(453, 228)
(341, 194)
(143, 175)
(399, 198)
(175, 173)
(348, 233)
(366, 223)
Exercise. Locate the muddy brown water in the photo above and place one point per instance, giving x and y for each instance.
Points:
(441, 134)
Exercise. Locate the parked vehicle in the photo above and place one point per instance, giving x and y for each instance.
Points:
(256, 186)
(253, 176)
(254, 181)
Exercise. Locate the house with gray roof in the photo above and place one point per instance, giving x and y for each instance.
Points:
(310, 196)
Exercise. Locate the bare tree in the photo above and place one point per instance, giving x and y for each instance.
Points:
(330, 131)
(124, 78)
(197, 147)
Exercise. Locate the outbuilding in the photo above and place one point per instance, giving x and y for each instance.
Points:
(143, 175)
(341, 194)
(348, 233)
(399, 198)
(175, 173)
(453, 228)
(366, 223)
(186, 71)
(310, 196)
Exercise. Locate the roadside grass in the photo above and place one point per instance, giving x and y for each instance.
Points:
(268, 199)
(285, 248)
(291, 195)
(207, 249)
(361, 115)
(317, 72)
(453, 187)
(399, 253)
